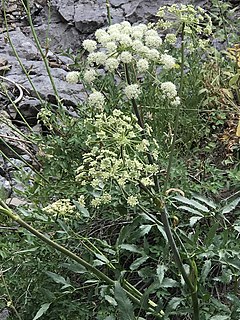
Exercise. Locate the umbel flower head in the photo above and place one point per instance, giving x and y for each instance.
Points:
(72, 77)
(61, 207)
(170, 92)
(123, 44)
(96, 100)
(195, 19)
(117, 157)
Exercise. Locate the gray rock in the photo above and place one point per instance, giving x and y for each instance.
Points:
(118, 3)
(5, 188)
(29, 108)
(11, 143)
(61, 35)
(72, 21)
(2, 165)
(15, 164)
(67, 10)
(70, 94)
(4, 314)
(144, 11)
(89, 17)
(14, 203)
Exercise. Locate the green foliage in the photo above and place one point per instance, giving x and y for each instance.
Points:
(125, 306)
(101, 190)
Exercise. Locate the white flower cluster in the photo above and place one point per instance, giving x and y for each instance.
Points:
(89, 45)
(132, 201)
(90, 75)
(170, 92)
(45, 115)
(168, 61)
(171, 38)
(125, 43)
(72, 77)
(132, 91)
(97, 100)
(118, 155)
(122, 43)
(61, 207)
(195, 19)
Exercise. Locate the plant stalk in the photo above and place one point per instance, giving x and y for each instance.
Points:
(44, 56)
(141, 124)
(108, 12)
(10, 302)
(16, 54)
(4, 209)
(162, 206)
(177, 115)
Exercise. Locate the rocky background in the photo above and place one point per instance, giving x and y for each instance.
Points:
(61, 25)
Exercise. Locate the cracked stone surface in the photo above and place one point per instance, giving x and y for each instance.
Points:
(73, 21)
(27, 51)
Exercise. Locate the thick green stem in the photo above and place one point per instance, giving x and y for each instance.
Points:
(176, 121)
(172, 243)
(108, 12)
(160, 204)
(132, 293)
(164, 214)
(141, 124)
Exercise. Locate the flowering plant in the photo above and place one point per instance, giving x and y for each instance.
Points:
(117, 157)
(124, 46)
(102, 169)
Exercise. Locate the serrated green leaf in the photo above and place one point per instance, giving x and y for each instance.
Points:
(138, 262)
(162, 231)
(145, 298)
(230, 206)
(111, 300)
(174, 303)
(147, 217)
(207, 201)
(220, 317)
(169, 283)
(130, 247)
(125, 306)
(191, 210)
(220, 306)
(206, 269)
(237, 228)
(160, 272)
(193, 220)
(192, 202)
(81, 209)
(231, 262)
(74, 267)
(211, 233)
(58, 279)
(144, 229)
(234, 79)
(42, 310)
(102, 258)
(97, 263)
(122, 235)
